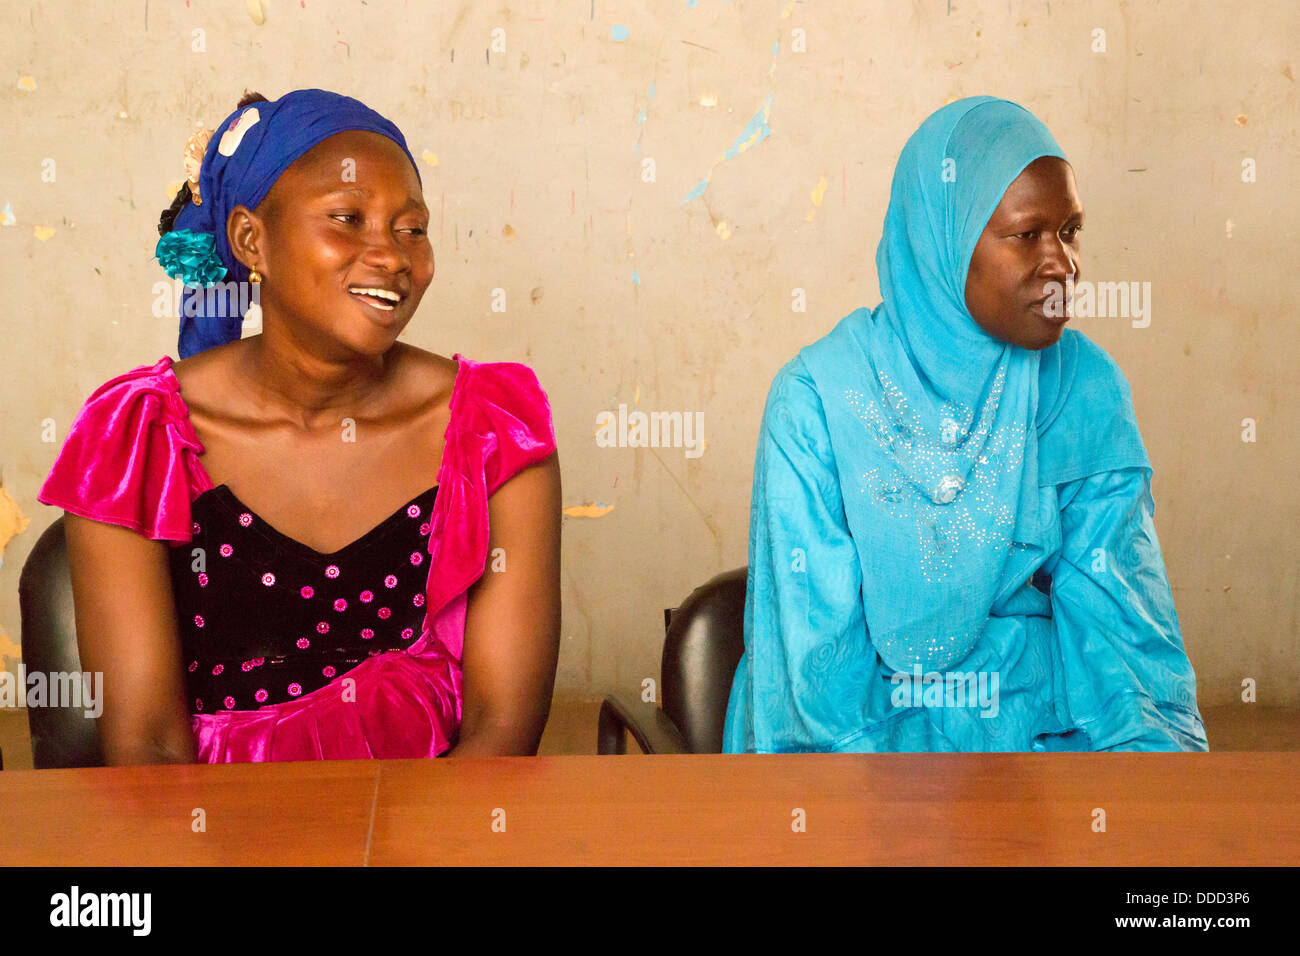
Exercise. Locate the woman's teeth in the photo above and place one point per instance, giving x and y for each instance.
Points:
(381, 299)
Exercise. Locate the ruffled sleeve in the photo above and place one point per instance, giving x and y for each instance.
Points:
(131, 457)
(500, 423)
(513, 416)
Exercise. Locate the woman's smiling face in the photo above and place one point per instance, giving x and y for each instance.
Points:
(346, 216)
(1031, 239)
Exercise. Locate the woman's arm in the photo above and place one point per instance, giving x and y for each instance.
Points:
(127, 631)
(512, 626)
(807, 678)
(1129, 682)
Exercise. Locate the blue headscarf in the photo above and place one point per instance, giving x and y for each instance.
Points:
(938, 422)
(244, 158)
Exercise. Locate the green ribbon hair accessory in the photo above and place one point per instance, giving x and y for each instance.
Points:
(190, 256)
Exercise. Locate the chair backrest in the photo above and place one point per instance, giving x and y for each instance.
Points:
(704, 643)
(61, 736)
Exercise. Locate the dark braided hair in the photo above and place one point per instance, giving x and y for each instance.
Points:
(167, 221)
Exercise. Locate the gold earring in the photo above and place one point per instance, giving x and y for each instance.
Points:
(254, 276)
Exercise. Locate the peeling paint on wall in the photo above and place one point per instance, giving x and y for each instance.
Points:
(11, 653)
(818, 194)
(12, 520)
(598, 510)
(755, 131)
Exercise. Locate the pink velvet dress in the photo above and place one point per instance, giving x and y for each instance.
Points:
(361, 648)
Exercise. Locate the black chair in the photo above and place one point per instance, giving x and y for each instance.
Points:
(704, 642)
(61, 736)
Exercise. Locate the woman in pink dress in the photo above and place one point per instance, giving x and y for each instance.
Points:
(316, 542)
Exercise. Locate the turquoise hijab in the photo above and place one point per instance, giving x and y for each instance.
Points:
(944, 435)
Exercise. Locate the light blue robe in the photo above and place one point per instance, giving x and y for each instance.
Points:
(919, 482)
(1097, 665)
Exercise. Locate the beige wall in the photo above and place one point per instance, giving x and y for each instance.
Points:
(538, 190)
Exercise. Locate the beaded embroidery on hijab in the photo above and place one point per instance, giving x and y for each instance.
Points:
(933, 420)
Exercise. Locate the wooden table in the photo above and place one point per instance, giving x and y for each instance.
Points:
(1223, 809)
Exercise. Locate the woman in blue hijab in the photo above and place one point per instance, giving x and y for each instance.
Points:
(951, 540)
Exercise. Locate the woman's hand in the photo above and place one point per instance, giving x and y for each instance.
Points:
(512, 626)
(127, 631)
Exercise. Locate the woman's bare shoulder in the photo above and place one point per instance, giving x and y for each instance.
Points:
(205, 379)
(423, 378)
